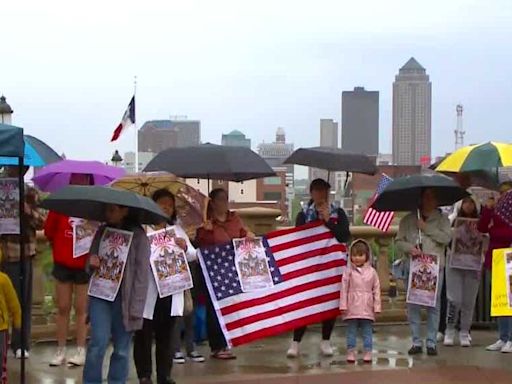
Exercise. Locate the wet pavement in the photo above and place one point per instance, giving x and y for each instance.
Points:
(265, 362)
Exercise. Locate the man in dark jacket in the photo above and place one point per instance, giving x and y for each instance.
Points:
(318, 208)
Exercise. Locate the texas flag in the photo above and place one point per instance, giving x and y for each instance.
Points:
(127, 120)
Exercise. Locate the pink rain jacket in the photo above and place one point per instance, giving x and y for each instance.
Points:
(360, 291)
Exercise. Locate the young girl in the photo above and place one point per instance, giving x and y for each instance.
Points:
(117, 320)
(160, 313)
(360, 299)
(10, 311)
(461, 289)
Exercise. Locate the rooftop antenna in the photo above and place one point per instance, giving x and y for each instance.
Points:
(459, 130)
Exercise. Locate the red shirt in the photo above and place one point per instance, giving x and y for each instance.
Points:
(59, 232)
(223, 232)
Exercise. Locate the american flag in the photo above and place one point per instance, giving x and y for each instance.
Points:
(380, 220)
(306, 264)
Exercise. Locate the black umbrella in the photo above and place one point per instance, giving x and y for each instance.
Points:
(333, 160)
(210, 161)
(88, 202)
(404, 193)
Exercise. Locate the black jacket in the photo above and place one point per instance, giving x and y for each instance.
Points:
(340, 228)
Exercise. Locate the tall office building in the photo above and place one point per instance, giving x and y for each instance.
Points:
(360, 121)
(412, 115)
(328, 133)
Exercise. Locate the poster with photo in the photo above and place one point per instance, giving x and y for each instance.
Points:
(467, 246)
(113, 251)
(83, 234)
(169, 263)
(508, 276)
(252, 264)
(423, 279)
(9, 206)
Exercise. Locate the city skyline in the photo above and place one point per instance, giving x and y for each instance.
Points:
(69, 82)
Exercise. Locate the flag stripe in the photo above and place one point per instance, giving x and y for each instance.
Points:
(315, 268)
(300, 241)
(247, 320)
(312, 261)
(285, 258)
(294, 290)
(285, 327)
(286, 317)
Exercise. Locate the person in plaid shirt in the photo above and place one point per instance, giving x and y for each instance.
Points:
(11, 263)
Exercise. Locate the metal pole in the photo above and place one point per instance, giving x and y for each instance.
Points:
(22, 277)
(135, 124)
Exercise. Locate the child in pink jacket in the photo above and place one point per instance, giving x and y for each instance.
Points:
(360, 299)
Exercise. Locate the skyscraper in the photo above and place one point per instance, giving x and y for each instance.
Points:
(328, 133)
(360, 121)
(412, 114)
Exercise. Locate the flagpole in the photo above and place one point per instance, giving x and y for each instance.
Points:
(136, 165)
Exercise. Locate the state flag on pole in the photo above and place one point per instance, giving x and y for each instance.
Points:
(127, 120)
(379, 220)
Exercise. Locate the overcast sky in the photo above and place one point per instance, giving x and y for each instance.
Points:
(67, 69)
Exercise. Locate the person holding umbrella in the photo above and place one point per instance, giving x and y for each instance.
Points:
(426, 231)
(221, 227)
(318, 208)
(500, 236)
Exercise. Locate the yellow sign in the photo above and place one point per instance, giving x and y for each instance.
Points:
(501, 286)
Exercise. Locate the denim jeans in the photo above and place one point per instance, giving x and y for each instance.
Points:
(414, 318)
(367, 330)
(505, 328)
(107, 322)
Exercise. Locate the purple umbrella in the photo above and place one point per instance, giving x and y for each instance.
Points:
(57, 175)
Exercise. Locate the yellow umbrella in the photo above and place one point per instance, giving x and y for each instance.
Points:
(487, 156)
(191, 205)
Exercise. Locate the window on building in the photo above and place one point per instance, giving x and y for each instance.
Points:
(272, 196)
(272, 180)
(242, 191)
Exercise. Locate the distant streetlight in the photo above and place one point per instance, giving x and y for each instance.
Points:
(116, 159)
(5, 111)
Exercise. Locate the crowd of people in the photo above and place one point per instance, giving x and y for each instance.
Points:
(139, 315)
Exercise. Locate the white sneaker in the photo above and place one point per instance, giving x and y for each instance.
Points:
(179, 358)
(78, 359)
(59, 358)
(325, 347)
(507, 348)
(18, 354)
(440, 337)
(464, 339)
(497, 346)
(449, 338)
(293, 352)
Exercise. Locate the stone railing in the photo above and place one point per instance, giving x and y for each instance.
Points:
(258, 220)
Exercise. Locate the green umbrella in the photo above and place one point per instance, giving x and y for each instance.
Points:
(88, 202)
(404, 193)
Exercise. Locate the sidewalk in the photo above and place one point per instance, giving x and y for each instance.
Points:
(265, 362)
